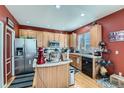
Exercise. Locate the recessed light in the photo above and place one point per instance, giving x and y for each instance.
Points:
(82, 14)
(58, 6)
(27, 22)
(48, 25)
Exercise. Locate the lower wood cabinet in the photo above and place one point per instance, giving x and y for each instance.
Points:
(76, 61)
(51, 77)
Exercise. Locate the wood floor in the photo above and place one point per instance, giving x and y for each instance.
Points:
(9, 82)
(83, 81)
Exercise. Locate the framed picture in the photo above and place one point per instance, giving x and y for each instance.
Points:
(116, 36)
(10, 23)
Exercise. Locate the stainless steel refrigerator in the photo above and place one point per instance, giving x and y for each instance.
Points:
(25, 52)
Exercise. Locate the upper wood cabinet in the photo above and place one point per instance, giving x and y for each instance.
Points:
(96, 35)
(44, 37)
(66, 40)
(32, 34)
(73, 40)
(23, 33)
(56, 36)
(39, 39)
(51, 36)
(61, 39)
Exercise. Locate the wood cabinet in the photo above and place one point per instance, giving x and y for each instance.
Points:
(66, 40)
(51, 36)
(72, 40)
(23, 33)
(77, 61)
(39, 39)
(56, 36)
(61, 39)
(96, 35)
(52, 77)
(31, 34)
(44, 37)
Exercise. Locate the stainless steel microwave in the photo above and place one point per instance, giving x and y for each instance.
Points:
(54, 44)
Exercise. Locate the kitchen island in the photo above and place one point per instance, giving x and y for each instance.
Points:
(52, 75)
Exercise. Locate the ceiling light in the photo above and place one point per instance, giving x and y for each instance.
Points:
(48, 25)
(82, 14)
(28, 22)
(58, 6)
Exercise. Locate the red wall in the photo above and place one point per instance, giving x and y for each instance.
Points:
(4, 13)
(113, 22)
(41, 29)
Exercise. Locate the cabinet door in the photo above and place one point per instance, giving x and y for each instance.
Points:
(66, 40)
(79, 63)
(70, 40)
(61, 40)
(51, 36)
(73, 40)
(73, 60)
(39, 39)
(45, 39)
(23, 33)
(96, 35)
(56, 36)
(31, 34)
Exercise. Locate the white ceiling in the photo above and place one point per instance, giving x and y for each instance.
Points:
(67, 17)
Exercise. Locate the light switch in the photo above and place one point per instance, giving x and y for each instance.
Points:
(116, 52)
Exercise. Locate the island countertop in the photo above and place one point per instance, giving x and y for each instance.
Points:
(86, 55)
(50, 64)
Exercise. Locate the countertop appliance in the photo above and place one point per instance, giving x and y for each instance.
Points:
(25, 52)
(52, 54)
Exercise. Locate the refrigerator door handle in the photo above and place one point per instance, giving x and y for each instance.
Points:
(29, 62)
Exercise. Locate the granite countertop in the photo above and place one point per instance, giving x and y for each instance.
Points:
(50, 64)
(86, 55)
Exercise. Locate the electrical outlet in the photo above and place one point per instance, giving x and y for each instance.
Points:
(116, 52)
(120, 74)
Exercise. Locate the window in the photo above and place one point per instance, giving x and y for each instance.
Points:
(80, 41)
(87, 40)
(84, 41)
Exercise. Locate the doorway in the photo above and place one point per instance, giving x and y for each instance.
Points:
(1, 54)
(9, 54)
